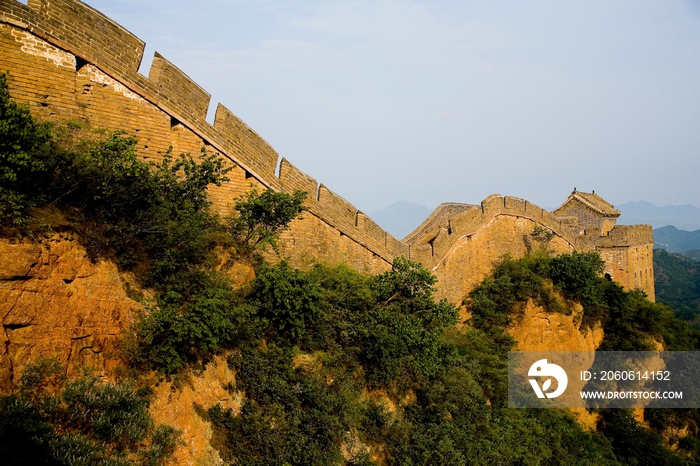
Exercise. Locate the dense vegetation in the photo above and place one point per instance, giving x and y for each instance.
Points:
(677, 283)
(366, 370)
(50, 420)
(336, 366)
(629, 319)
(353, 364)
(153, 219)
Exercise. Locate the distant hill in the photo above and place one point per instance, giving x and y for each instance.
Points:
(672, 239)
(694, 254)
(677, 283)
(401, 218)
(683, 217)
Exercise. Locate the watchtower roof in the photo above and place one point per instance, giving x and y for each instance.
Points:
(592, 201)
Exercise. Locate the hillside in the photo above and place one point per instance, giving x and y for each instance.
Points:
(677, 282)
(143, 328)
(672, 239)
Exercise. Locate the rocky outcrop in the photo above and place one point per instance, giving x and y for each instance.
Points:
(184, 406)
(537, 329)
(55, 302)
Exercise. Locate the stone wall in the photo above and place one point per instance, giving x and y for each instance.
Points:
(627, 251)
(461, 244)
(437, 239)
(68, 61)
(473, 253)
(586, 217)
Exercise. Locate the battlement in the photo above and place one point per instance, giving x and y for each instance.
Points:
(620, 236)
(68, 61)
(244, 144)
(439, 218)
(449, 223)
(94, 39)
(178, 90)
(79, 29)
(293, 179)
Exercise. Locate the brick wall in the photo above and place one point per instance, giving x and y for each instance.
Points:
(68, 61)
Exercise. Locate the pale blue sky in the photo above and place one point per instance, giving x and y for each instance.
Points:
(435, 101)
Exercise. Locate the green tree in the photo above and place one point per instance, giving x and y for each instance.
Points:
(261, 217)
(402, 344)
(21, 139)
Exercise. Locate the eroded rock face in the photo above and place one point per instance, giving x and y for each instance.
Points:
(536, 329)
(54, 302)
(185, 408)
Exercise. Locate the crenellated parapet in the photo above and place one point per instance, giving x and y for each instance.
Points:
(177, 91)
(293, 179)
(92, 38)
(462, 242)
(99, 82)
(439, 218)
(618, 236)
(450, 223)
(79, 29)
(68, 61)
(340, 214)
(244, 144)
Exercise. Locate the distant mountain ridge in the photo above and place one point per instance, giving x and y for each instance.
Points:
(683, 217)
(672, 239)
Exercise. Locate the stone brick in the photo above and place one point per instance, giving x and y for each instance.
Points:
(244, 144)
(182, 94)
(292, 179)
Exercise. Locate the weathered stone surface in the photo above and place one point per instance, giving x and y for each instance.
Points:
(185, 407)
(472, 255)
(535, 329)
(54, 302)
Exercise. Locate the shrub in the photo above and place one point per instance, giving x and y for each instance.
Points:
(51, 420)
(289, 416)
(22, 139)
(289, 301)
(191, 322)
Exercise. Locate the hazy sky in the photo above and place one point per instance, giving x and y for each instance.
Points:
(436, 101)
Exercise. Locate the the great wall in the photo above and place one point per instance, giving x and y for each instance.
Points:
(68, 61)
